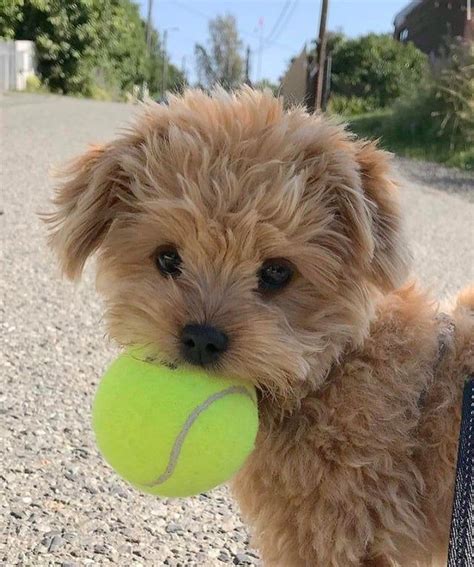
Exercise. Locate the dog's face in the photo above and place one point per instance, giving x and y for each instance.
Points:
(235, 235)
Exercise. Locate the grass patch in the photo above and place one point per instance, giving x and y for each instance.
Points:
(370, 124)
(398, 137)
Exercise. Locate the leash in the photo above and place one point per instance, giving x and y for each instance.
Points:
(461, 540)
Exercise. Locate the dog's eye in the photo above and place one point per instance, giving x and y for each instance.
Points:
(274, 274)
(168, 262)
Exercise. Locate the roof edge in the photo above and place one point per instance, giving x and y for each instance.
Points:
(400, 17)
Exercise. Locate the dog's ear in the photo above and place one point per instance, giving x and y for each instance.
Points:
(84, 203)
(389, 264)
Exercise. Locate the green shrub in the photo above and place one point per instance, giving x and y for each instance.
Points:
(411, 119)
(11, 15)
(441, 111)
(375, 67)
(350, 106)
(434, 121)
(370, 125)
(454, 96)
(34, 85)
(463, 159)
(98, 93)
(418, 141)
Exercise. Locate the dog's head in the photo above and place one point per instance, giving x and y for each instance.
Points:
(235, 234)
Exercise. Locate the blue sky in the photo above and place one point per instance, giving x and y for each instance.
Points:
(300, 19)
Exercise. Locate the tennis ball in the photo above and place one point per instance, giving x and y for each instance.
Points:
(173, 432)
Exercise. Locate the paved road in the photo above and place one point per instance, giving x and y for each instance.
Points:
(59, 504)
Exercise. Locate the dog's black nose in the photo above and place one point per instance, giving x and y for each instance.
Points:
(202, 344)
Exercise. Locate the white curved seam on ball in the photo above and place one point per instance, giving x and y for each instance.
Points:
(178, 444)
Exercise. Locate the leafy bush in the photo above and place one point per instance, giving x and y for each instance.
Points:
(350, 106)
(66, 39)
(98, 93)
(454, 95)
(34, 85)
(10, 11)
(434, 121)
(441, 110)
(375, 67)
(395, 136)
(411, 117)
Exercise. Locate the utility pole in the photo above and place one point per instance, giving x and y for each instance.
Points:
(164, 74)
(149, 26)
(321, 55)
(247, 66)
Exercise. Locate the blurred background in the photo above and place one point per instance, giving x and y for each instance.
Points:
(402, 71)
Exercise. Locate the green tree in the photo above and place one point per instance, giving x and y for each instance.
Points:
(66, 39)
(333, 41)
(175, 80)
(375, 67)
(11, 15)
(88, 47)
(122, 40)
(222, 63)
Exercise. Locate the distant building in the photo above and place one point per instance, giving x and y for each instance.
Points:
(294, 82)
(428, 23)
(17, 63)
(298, 85)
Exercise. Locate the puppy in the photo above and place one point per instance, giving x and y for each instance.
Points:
(266, 244)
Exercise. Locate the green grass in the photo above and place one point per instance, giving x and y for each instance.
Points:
(401, 140)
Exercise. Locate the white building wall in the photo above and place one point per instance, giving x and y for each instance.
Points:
(17, 63)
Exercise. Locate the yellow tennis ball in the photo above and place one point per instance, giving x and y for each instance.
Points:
(173, 432)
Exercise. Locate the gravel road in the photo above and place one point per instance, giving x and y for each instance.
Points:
(59, 504)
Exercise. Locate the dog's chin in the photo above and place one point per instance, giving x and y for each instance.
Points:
(279, 388)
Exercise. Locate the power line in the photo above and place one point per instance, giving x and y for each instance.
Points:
(286, 5)
(207, 17)
(283, 25)
(263, 43)
(192, 9)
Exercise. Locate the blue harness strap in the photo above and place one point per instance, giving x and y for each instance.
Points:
(461, 540)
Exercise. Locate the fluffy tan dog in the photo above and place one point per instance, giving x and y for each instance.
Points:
(266, 244)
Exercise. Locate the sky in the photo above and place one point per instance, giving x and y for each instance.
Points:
(186, 22)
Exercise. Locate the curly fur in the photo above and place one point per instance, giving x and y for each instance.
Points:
(350, 468)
